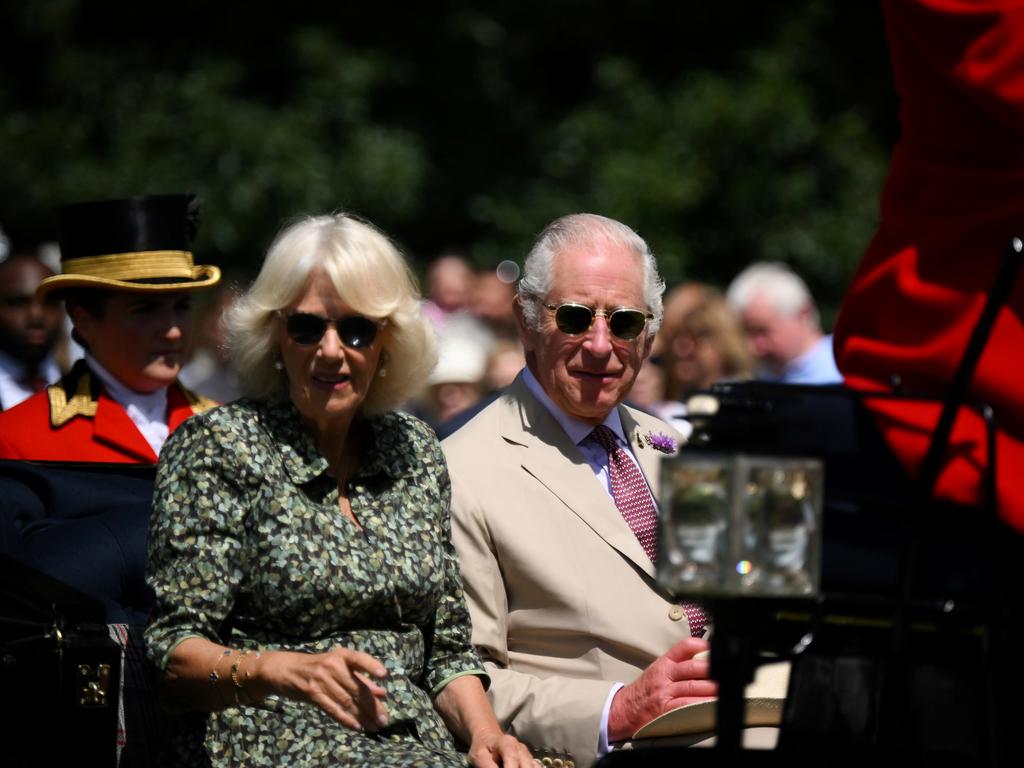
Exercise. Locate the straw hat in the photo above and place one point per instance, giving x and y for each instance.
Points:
(140, 244)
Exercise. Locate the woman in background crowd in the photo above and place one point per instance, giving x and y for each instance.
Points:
(709, 346)
(700, 343)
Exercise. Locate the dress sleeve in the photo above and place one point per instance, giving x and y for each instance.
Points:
(196, 555)
(451, 653)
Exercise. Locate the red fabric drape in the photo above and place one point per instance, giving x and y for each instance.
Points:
(953, 198)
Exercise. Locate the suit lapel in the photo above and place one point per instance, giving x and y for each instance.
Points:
(554, 460)
(647, 457)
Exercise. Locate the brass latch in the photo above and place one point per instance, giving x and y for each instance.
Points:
(92, 685)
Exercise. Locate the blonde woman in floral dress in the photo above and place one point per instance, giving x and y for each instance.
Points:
(309, 604)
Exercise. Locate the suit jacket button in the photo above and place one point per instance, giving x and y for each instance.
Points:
(676, 613)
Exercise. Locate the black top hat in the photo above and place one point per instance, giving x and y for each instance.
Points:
(140, 244)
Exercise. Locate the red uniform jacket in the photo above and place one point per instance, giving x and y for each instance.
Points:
(953, 199)
(75, 420)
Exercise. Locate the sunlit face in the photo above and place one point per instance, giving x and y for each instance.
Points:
(589, 374)
(327, 381)
(142, 339)
(775, 337)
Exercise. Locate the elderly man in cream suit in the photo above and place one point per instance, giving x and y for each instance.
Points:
(581, 644)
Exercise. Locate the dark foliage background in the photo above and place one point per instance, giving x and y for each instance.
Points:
(724, 132)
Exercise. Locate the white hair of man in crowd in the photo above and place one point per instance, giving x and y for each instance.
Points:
(783, 325)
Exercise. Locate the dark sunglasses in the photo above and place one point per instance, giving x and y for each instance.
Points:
(574, 319)
(355, 331)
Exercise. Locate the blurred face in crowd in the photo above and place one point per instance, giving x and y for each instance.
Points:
(327, 379)
(504, 365)
(451, 398)
(776, 338)
(29, 326)
(450, 282)
(590, 373)
(142, 339)
(649, 385)
(492, 298)
(698, 359)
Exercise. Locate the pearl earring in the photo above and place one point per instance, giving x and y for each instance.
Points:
(278, 365)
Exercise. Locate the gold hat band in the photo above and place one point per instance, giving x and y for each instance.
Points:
(138, 265)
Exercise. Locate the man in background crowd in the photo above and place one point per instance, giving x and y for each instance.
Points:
(783, 326)
(29, 329)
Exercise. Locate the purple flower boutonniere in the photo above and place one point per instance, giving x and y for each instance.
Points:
(662, 442)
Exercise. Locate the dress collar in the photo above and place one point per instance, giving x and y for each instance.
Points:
(300, 455)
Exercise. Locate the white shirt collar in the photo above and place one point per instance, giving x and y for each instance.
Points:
(148, 410)
(12, 390)
(576, 429)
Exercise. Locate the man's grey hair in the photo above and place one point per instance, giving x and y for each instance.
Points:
(783, 287)
(584, 229)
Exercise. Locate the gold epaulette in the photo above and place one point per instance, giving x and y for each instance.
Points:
(74, 395)
(198, 403)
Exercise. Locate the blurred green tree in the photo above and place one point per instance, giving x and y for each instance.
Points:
(723, 133)
(714, 168)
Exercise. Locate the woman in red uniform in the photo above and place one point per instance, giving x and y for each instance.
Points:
(127, 281)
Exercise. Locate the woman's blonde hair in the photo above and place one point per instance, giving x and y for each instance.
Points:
(368, 273)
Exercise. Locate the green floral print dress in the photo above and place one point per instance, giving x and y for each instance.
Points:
(248, 548)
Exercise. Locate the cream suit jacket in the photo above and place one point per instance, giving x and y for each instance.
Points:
(561, 594)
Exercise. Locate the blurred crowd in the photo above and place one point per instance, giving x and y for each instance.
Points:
(764, 325)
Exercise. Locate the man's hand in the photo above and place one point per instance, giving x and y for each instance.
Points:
(670, 681)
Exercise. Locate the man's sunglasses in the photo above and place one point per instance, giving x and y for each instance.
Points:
(574, 319)
(355, 331)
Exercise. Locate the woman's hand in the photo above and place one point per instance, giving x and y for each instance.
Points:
(341, 682)
(468, 714)
(494, 748)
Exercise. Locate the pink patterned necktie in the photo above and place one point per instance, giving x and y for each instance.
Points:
(633, 499)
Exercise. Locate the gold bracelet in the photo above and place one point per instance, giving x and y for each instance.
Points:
(213, 676)
(240, 685)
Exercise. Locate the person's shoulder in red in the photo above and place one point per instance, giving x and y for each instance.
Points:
(75, 420)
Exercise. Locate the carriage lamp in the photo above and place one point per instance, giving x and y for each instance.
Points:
(740, 525)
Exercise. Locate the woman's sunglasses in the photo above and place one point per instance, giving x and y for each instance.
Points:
(574, 319)
(355, 331)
